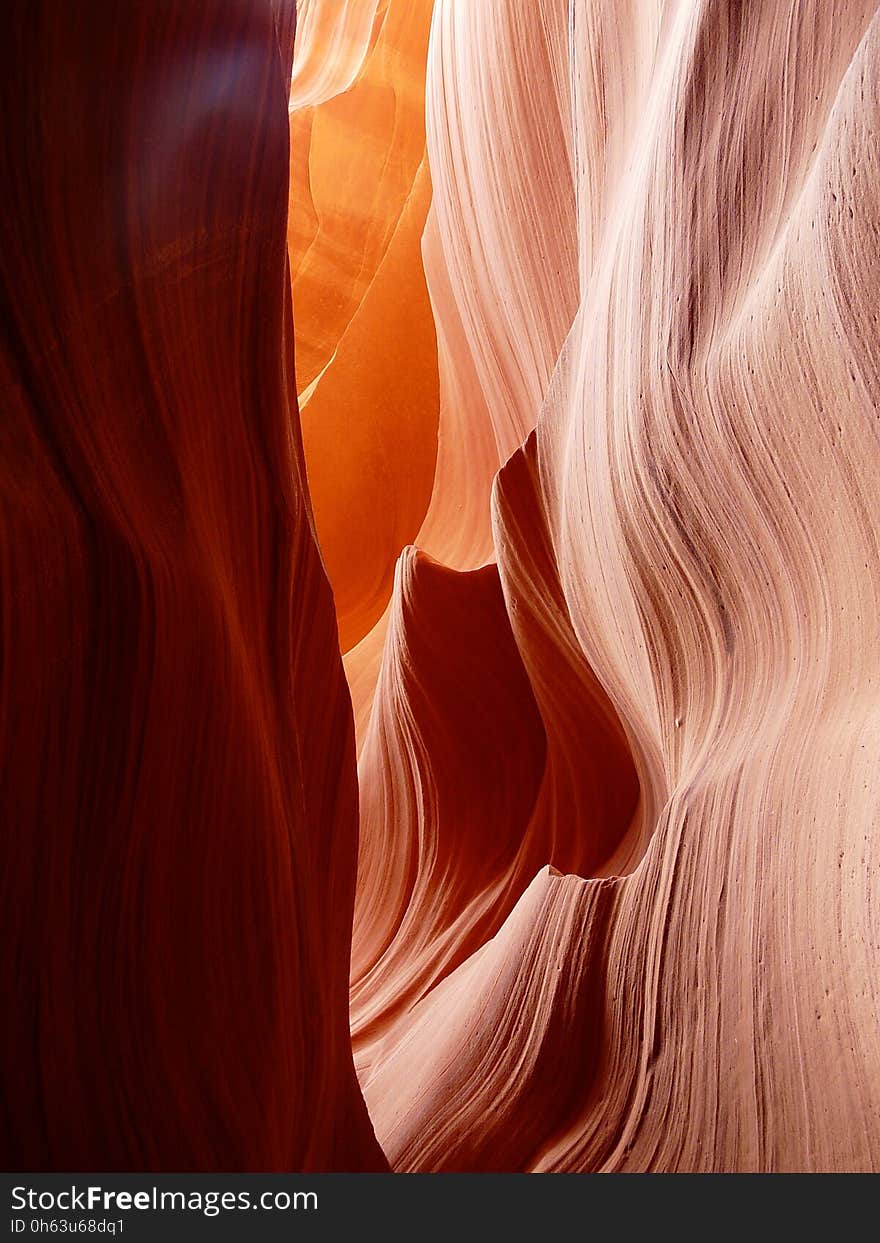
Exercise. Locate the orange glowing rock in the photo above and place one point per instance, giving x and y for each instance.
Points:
(366, 346)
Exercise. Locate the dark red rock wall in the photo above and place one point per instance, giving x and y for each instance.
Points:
(177, 776)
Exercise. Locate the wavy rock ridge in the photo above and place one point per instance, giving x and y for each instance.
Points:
(618, 864)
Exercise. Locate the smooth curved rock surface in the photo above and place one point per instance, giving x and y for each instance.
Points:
(654, 235)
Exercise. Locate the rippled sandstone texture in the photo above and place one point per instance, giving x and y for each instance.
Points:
(617, 891)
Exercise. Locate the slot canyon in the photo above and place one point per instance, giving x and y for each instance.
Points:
(440, 585)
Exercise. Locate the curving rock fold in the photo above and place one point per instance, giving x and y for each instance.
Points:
(653, 237)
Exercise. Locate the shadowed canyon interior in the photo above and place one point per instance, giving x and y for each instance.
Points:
(440, 694)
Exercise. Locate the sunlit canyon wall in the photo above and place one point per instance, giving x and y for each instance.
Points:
(618, 723)
(540, 338)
